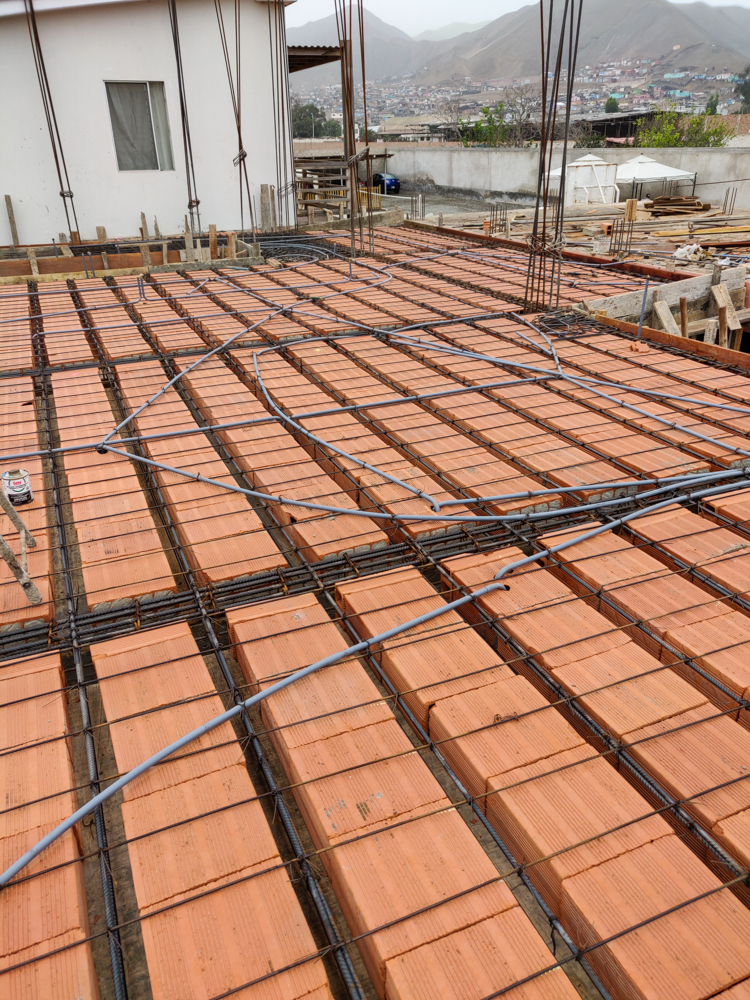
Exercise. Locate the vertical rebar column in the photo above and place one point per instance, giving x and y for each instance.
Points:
(110, 908)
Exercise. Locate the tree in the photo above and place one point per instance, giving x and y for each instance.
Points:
(451, 120)
(520, 104)
(742, 90)
(331, 129)
(712, 105)
(307, 121)
(490, 130)
(671, 128)
(611, 107)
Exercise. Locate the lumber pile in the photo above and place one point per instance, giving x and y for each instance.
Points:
(685, 205)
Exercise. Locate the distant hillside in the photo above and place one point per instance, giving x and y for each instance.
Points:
(728, 25)
(650, 29)
(692, 36)
(389, 51)
(449, 31)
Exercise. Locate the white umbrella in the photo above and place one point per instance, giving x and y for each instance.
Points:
(645, 170)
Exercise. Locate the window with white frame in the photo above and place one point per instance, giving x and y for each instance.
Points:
(140, 125)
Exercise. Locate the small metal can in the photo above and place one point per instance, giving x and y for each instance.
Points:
(17, 487)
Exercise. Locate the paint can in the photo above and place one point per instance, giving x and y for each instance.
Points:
(17, 487)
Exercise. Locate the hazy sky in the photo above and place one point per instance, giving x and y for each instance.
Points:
(414, 16)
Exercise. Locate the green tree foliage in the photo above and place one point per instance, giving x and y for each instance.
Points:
(330, 128)
(611, 107)
(742, 90)
(712, 106)
(307, 121)
(670, 128)
(490, 130)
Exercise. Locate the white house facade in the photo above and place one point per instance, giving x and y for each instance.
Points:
(118, 99)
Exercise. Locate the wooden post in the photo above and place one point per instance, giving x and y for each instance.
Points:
(144, 226)
(712, 328)
(265, 208)
(31, 254)
(62, 238)
(189, 252)
(716, 276)
(723, 328)
(75, 237)
(101, 234)
(683, 316)
(105, 262)
(212, 243)
(165, 253)
(157, 233)
(146, 254)
(12, 220)
(272, 196)
(631, 209)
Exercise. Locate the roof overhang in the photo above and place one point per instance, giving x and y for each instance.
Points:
(306, 56)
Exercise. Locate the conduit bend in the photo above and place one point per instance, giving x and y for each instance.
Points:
(327, 661)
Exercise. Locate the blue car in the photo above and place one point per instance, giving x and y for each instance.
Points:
(387, 183)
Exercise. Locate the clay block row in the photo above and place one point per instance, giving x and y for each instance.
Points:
(526, 444)
(18, 433)
(252, 308)
(237, 917)
(222, 537)
(597, 432)
(294, 392)
(671, 729)
(214, 321)
(274, 463)
(15, 328)
(170, 332)
(333, 291)
(115, 330)
(673, 608)
(64, 339)
(719, 453)
(276, 290)
(48, 910)
(442, 448)
(555, 801)
(120, 549)
(390, 841)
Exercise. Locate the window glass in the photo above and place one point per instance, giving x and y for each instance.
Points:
(161, 125)
(140, 125)
(131, 124)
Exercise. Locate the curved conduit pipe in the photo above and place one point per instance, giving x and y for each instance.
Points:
(360, 647)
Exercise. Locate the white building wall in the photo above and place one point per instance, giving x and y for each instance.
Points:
(84, 47)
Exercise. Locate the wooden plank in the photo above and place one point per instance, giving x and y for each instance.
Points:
(665, 317)
(720, 295)
(629, 304)
(213, 245)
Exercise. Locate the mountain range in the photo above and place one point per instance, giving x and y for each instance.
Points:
(690, 36)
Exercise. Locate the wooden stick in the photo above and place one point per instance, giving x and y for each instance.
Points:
(683, 316)
(212, 243)
(12, 220)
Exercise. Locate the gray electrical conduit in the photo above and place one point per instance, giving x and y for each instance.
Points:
(327, 661)
(693, 479)
(583, 383)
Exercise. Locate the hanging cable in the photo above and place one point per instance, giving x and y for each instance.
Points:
(193, 200)
(49, 112)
